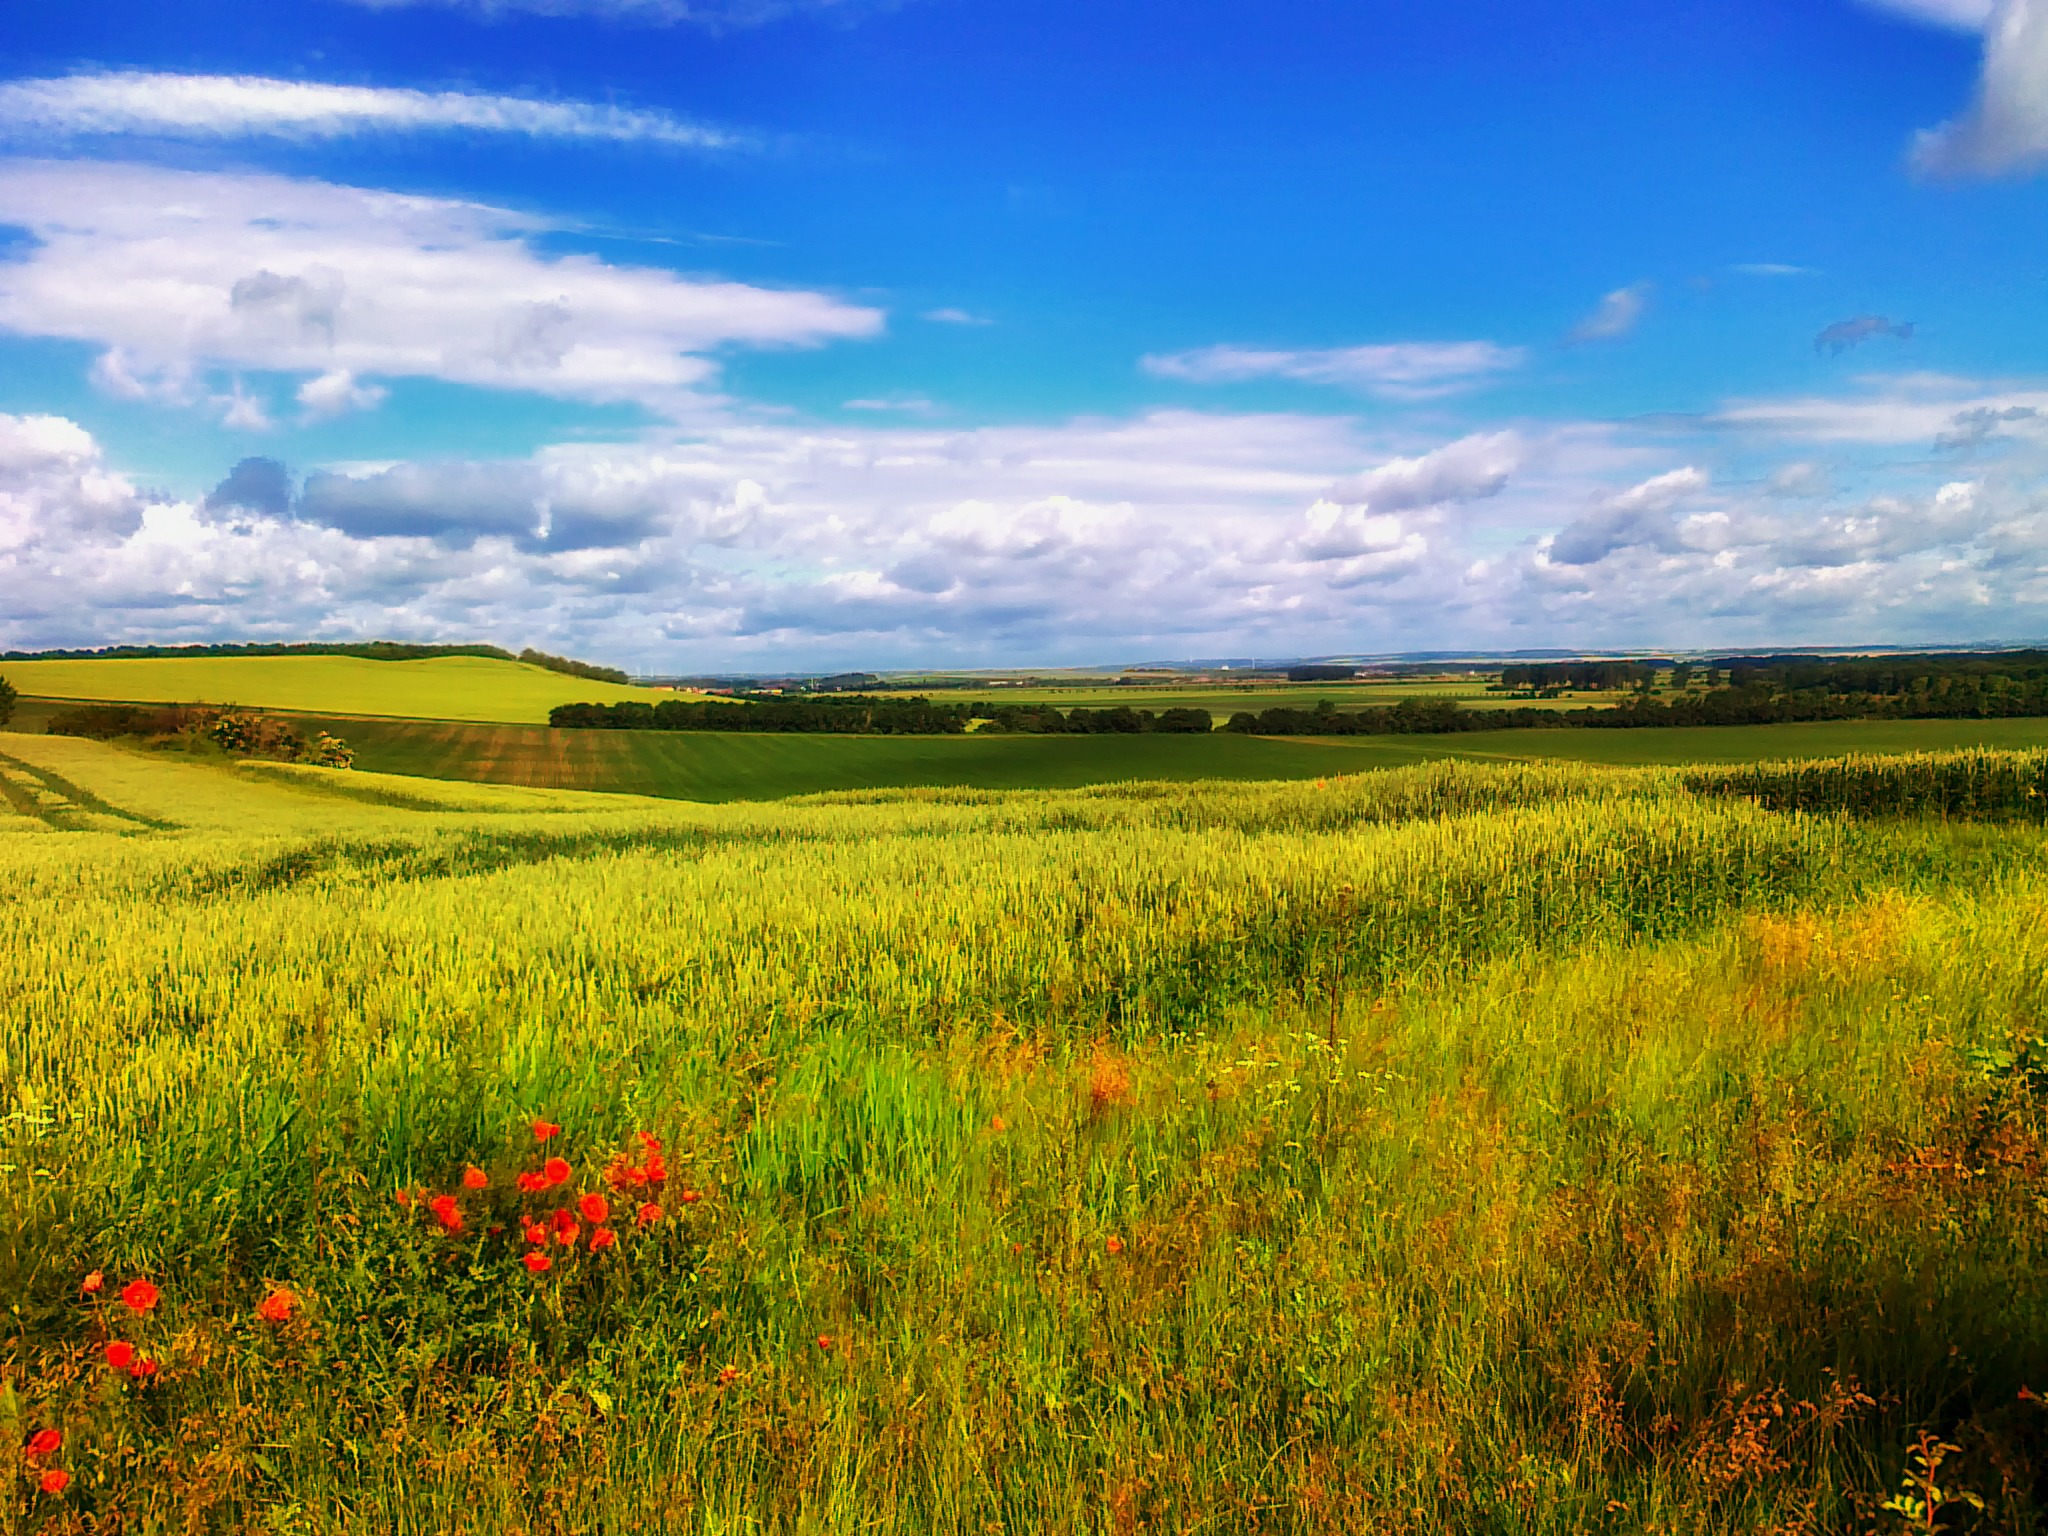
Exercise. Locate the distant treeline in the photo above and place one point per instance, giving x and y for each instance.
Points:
(1992, 696)
(1581, 674)
(860, 715)
(368, 650)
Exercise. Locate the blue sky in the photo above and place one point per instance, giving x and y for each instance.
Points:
(748, 334)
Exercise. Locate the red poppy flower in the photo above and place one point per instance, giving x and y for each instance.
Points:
(42, 1442)
(539, 1262)
(603, 1237)
(1115, 1244)
(825, 1342)
(56, 1480)
(543, 1129)
(474, 1177)
(621, 1174)
(144, 1368)
(556, 1170)
(692, 1196)
(532, 1183)
(594, 1207)
(654, 1171)
(139, 1295)
(404, 1199)
(446, 1213)
(648, 1140)
(727, 1375)
(277, 1306)
(997, 1125)
(535, 1233)
(648, 1214)
(90, 1285)
(120, 1356)
(567, 1236)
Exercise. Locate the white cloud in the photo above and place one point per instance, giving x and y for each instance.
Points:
(243, 411)
(1963, 15)
(1402, 370)
(1171, 534)
(2005, 129)
(1896, 411)
(1619, 313)
(174, 272)
(225, 106)
(1773, 269)
(336, 393)
(956, 317)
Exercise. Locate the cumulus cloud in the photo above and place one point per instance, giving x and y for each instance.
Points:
(336, 393)
(236, 106)
(1414, 370)
(1640, 515)
(2005, 129)
(1617, 314)
(173, 272)
(1170, 534)
(1845, 335)
(255, 485)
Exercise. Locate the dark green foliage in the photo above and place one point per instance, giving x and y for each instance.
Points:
(239, 733)
(8, 697)
(1318, 672)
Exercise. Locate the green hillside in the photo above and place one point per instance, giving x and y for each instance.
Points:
(719, 766)
(472, 688)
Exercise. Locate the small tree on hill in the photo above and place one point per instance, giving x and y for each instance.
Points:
(7, 700)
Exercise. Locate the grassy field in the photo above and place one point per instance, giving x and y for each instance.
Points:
(1222, 700)
(1490, 1148)
(473, 688)
(718, 766)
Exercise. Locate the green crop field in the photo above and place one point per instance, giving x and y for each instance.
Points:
(439, 688)
(716, 766)
(1222, 700)
(1472, 1147)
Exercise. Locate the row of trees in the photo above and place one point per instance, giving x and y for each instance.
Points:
(863, 715)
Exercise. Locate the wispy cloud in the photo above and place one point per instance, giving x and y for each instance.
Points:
(1619, 313)
(1845, 334)
(240, 106)
(1413, 370)
(951, 316)
(1772, 269)
(1964, 15)
(173, 273)
(715, 14)
(2005, 129)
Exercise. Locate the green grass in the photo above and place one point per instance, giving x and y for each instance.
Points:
(1472, 1148)
(719, 766)
(1222, 700)
(473, 688)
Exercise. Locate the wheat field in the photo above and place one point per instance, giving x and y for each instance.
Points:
(1541, 1148)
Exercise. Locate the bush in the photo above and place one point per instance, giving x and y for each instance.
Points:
(8, 697)
(236, 732)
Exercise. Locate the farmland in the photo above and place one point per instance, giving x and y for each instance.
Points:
(719, 766)
(1483, 1147)
(441, 688)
